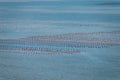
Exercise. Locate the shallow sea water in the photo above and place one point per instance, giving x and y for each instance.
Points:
(98, 19)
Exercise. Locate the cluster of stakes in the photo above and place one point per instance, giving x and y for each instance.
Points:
(63, 43)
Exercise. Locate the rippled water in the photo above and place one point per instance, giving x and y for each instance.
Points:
(59, 40)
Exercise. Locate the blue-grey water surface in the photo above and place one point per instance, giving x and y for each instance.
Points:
(22, 19)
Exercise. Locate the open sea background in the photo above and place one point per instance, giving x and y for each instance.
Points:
(27, 18)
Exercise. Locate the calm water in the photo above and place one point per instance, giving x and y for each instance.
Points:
(98, 18)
